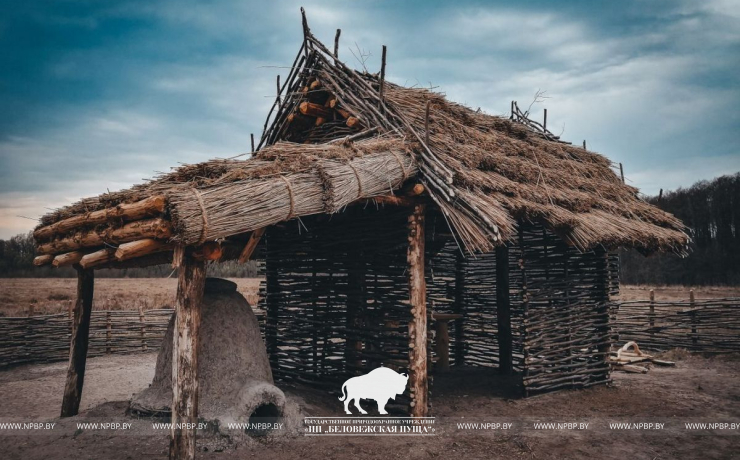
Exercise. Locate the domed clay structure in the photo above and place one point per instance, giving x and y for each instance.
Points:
(233, 369)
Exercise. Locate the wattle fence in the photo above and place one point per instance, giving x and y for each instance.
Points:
(40, 339)
(705, 326)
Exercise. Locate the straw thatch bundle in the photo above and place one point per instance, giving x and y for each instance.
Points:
(204, 214)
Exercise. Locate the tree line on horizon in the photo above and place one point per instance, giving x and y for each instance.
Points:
(710, 209)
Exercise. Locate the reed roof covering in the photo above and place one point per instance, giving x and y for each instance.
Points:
(336, 135)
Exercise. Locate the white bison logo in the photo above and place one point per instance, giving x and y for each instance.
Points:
(381, 384)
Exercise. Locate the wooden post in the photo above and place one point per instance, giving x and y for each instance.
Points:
(190, 285)
(382, 75)
(544, 122)
(78, 343)
(660, 196)
(621, 172)
(252, 138)
(418, 384)
(442, 347)
(460, 309)
(584, 144)
(336, 43)
(694, 337)
(108, 332)
(651, 316)
(278, 86)
(356, 302)
(503, 311)
(142, 320)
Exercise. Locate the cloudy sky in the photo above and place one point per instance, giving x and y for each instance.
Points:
(97, 96)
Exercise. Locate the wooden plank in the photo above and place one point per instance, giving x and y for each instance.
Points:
(79, 343)
(418, 384)
(190, 286)
(503, 311)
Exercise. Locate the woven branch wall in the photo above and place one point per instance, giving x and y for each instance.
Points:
(40, 339)
(564, 297)
(336, 297)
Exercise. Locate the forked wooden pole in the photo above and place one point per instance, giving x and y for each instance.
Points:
(418, 385)
(190, 285)
(78, 343)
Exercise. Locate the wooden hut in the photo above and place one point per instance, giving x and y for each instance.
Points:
(381, 211)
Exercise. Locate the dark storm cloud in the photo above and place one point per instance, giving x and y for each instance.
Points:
(99, 95)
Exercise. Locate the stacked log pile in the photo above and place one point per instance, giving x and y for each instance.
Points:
(108, 236)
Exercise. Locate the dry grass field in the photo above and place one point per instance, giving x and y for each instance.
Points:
(54, 295)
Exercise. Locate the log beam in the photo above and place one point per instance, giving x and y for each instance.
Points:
(140, 229)
(67, 259)
(190, 286)
(140, 248)
(79, 343)
(148, 207)
(503, 310)
(314, 110)
(251, 245)
(418, 384)
(97, 258)
(42, 260)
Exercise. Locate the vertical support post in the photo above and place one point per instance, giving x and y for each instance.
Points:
(503, 311)
(606, 330)
(382, 75)
(418, 383)
(272, 298)
(79, 342)
(142, 320)
(694, 321)
(621, 172)
(108, 332)
(355, 306)
(190, 285)
(584, 144)
(651, 316)
(460, 309)
(442, 344)
(544, 122)
(525, 307)
(252, 138)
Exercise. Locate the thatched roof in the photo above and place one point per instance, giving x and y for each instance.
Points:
(484, 172)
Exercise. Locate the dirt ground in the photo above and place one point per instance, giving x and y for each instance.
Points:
(698, 388)
(54, 295)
